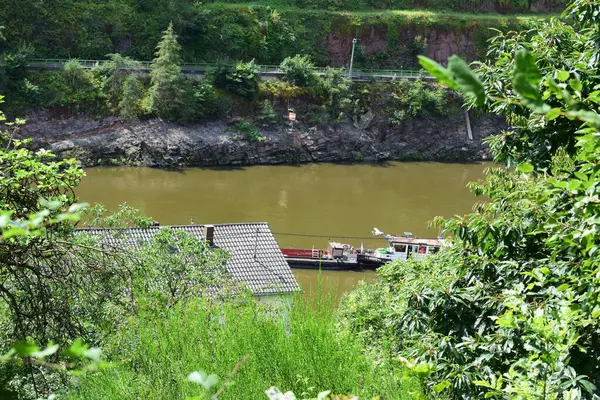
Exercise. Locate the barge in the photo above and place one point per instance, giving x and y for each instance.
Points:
(340, 256)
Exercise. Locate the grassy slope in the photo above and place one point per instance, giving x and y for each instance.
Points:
(408, 13)
(302, 352)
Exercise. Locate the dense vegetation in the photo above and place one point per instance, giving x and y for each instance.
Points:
(299, 351)
(511, 309)
(228, 90)
(267, 34)
(146, 306)
(485, 6)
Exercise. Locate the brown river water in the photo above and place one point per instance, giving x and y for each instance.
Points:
(330, 201)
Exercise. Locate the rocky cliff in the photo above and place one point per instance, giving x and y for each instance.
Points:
(157, 143)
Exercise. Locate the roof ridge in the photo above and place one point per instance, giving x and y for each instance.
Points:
(173, 226)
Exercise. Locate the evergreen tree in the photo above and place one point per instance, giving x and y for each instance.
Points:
(167, 93)
(129, 106)
(116, 73)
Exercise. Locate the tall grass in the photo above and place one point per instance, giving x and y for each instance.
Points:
(299, 350)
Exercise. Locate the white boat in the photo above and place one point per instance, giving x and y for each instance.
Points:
(404, 247)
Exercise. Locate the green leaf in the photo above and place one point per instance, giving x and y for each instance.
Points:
(483, 384)
(526, 79)
(576, 84)
(562, 75)
(594, 97)
(525, 168)
(525, 65)
(78, 207)
(586, 116)
(441, 386)
(563, 287)
(467, 81)
(51, 204)
(200, 377)
(440, 73)
(553, 114)
(77, 349)
(25, 348)
(14, 231)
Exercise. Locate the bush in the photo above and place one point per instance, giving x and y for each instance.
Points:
(335, 89)
(510, 310)
(205, 100)
(250, 132)
(410, 99)
(266, 113)
(241, 79)
(130, 106)
(299, 71)
(73, 87)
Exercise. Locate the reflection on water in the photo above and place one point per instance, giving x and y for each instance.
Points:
(317, 199)
(333, 283)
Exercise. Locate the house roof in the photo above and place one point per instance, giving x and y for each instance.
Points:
(255, 257)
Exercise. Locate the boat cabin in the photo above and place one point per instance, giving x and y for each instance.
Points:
(340, 251)
(401, 248)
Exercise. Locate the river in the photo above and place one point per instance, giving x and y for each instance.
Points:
(317, 199)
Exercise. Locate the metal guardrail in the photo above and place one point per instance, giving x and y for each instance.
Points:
(203, 67)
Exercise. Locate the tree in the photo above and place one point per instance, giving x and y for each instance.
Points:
(43, 275)
(511, 309)
(130, 104)
(167, 93)
(116, 70)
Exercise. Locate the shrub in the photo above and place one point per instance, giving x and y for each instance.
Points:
(510, 310)
(205, 100)
(266, 113)
(299, 71)
(241, 79)
(130, 106)
(250, 132)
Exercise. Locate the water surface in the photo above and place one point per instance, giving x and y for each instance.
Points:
(318, 199)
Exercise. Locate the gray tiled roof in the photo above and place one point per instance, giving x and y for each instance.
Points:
(255, 257)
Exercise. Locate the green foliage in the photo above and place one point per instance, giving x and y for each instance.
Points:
(241, 79)
(335, 89)
(167, 91)
(130, 106)
(176, 267)
(266, 33)
(249, 130)
(116, 74)
(513, 310)
(485, 6)
(206, 101)
(266, 113)
(297, 348)
(416, 99)
(73, 87)
(299, 71)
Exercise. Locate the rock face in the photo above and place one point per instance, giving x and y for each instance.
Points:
(157, 143)
(438, 44)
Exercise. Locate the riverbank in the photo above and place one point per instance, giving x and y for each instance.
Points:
(155, 142)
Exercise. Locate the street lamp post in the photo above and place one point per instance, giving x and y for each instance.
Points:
(352, 57)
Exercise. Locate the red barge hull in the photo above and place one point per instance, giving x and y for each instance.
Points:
(319, 259)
